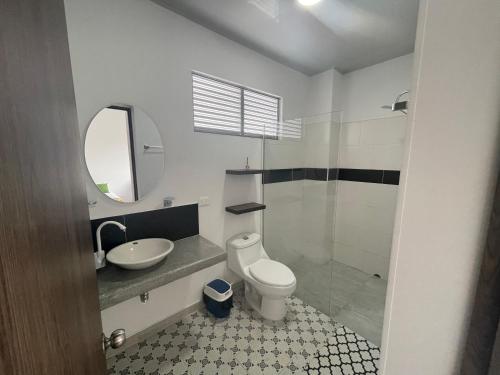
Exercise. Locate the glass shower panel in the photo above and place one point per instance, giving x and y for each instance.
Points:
(364, 220)
(299, 186)
(330, 188)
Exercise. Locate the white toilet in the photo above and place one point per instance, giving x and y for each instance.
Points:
(267, 282)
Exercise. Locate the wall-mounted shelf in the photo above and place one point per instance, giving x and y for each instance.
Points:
(243, 171)
(246, 207)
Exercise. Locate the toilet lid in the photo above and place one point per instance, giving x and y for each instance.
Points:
(271, 272)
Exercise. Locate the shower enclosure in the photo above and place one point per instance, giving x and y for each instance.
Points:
(330, 189)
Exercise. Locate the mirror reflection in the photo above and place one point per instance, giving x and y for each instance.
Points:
(124, 153)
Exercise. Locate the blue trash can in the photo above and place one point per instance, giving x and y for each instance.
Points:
(218, 298)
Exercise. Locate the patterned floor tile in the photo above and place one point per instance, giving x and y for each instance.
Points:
(242, 344)
(347, 353)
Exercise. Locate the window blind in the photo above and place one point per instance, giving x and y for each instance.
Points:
(291, 129)
(260, 114)
(216, 106)
(225, 108)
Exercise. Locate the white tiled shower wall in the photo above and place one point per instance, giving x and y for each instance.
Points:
(373, 144)
(363, 225)
(299, 217)
(371, 138)
(301, 214)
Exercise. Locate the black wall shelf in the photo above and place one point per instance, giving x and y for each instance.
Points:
(243, 171)
(245, 208)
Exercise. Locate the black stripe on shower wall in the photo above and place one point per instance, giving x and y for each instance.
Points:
(377, 176)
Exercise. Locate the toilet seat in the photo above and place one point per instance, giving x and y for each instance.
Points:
(272, 273)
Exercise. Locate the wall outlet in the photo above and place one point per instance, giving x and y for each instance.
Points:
(204, 201)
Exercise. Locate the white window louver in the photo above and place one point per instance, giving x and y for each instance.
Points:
(260, 114)
(291, 129)
(216, 106)
(225, 108)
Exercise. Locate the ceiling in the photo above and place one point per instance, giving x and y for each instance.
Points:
(345, 34)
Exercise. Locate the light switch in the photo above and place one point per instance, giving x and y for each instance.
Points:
(204, 201)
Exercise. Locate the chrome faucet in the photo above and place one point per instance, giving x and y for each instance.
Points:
(99, 257)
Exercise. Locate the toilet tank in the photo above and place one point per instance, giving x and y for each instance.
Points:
(243, 250)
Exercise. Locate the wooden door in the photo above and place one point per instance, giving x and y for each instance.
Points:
(49, 312)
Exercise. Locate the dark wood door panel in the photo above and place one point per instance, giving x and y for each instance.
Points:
(49, 312)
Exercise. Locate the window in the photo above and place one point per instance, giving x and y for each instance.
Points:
(226, 108)
(291, 129)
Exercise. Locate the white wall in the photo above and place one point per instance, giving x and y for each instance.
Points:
(323, 95)
(370, 138)
(367, 89)
(447, 186)
(136, 52)
(373, 144)
(364, 225)
(299, 216)
(320, 94)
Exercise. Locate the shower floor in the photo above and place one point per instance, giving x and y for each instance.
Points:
(350, 296)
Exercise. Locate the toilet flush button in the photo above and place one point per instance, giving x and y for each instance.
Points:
(244, 240)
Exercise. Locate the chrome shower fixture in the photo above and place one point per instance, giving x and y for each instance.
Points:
(398, 105)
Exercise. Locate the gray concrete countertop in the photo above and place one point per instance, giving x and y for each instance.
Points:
(190, 254)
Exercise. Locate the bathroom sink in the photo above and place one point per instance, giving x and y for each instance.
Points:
(140, 254)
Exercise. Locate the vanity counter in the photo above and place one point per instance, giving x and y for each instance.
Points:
(190, 254)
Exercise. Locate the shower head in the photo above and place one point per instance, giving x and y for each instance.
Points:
(398, 105)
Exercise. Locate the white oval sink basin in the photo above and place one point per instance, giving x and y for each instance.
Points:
(140, 254)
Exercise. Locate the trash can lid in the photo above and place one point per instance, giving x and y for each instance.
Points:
(219, 285)
(218, 289)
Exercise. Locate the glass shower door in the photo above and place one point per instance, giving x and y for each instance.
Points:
(370, 156)
(299, 186)
(331, 191)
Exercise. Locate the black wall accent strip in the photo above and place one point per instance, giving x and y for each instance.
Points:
(361, 175)
(271, 176)
(333, 174)
(317, 174)
(243, 171)
(298, 174)
(171, 223)
(377, 176)
(391, 177)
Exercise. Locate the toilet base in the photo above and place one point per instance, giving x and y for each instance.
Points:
(271, 308)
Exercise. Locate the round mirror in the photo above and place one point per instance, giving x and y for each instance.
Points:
(124, 153)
